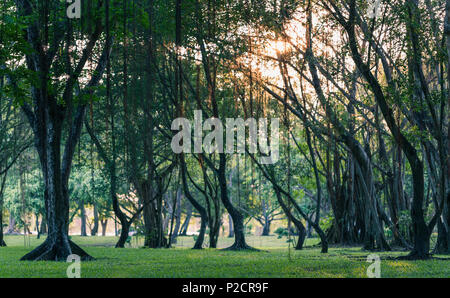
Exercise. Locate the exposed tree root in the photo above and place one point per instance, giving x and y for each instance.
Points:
(441, 250)
(52, 251)
(3, 244)
(79, 251)
(414, 256)
(240, 247)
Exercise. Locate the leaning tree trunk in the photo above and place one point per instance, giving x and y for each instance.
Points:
(203, 213)
(236, 216)
(125, 229)
(125, 224)
(185, 225)
(301, 238)
(297, 223)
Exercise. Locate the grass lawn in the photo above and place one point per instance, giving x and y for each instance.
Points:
(274, 261)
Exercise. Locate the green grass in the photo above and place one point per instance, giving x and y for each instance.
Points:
(274, 261)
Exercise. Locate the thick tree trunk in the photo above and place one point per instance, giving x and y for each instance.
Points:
(154, 227)
(301, 238)
(421, 232)
(46, 117)
(57, 246)
(266, 228)
(152, 214)
(104, 224)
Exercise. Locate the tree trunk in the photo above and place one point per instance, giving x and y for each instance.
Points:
(2, 188)
(123, 235)
(230, 219)
(11, 225)
(154, 227)
(185, 225)
(43, 229)
(297, 223)
(266, 228)
(37, 226)
(214, 233)
(104, 224)
(83, 219)
(153, 222)
(236, 216)
(47, 117)
(230, 227)
(57, 246)
(420, 228)
(203, 214)
(442, 245)
(177, 214)
(214, 224)
(301, 238)
(443, 242)
(94, 230)
(2, 241)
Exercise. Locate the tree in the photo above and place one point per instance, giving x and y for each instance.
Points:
(49, 109)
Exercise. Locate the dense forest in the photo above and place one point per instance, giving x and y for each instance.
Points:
(89, 95)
